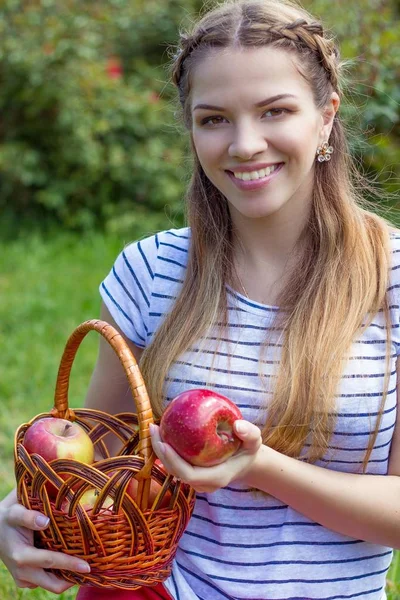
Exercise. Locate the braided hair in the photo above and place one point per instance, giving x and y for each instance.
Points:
(253, 23)
(311, 35)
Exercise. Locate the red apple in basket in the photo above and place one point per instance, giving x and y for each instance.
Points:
(154, 489)
(58, 438)
(198, 424)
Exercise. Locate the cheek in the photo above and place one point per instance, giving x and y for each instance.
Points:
(291, 139)
(297, 136)
(204, 153)
(208, 152)
(210, 144)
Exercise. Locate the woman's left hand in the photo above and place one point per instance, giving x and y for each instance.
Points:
(210, 479)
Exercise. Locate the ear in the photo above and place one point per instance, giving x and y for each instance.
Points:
(328, 116)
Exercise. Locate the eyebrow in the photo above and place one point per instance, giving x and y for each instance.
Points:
(258, 105)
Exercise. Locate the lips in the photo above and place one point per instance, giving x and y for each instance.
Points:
(254, 184)
(251, 169)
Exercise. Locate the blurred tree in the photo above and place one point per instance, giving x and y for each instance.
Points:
(88, 135)
(369, 34)
(78, 144)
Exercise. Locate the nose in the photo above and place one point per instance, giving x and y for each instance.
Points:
(247, 142)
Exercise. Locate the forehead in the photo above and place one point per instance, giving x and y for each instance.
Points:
(229, 75)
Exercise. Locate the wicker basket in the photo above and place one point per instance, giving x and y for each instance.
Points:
(131, 544)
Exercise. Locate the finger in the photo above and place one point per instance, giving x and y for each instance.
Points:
(47, 581)
(156, 442)
(249, 434)
(175, 464)
(30, 557)
(159, 448)
(19, 516)
(155, 434)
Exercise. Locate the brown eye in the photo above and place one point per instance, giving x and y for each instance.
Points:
(212, 120)
(276, 112)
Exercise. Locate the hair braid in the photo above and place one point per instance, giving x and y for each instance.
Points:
(188, 43)
(311, 35)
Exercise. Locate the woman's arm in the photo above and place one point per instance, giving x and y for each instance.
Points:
(365, 507)
(109, 389)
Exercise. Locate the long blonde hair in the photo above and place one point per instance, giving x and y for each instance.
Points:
(342, 278)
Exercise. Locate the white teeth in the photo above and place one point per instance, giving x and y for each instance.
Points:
(253, 175)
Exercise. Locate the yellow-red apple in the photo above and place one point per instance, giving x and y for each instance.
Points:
(88, 501)
(54, 438)
(58, 438)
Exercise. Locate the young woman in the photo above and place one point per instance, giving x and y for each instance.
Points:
(282, 294)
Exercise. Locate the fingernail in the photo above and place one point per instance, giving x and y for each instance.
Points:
(151, 428)
(83, 567)
(42, 521)
(240, 428)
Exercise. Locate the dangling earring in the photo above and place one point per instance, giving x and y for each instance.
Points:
(324, 152)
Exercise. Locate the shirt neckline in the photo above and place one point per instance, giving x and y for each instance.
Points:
(247, 305)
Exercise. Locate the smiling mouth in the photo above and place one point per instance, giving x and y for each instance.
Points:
(255, 175)
(252, 185)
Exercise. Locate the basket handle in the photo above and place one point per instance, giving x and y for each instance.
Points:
(131, 368)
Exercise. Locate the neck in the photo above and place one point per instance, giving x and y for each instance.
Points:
(266, 242)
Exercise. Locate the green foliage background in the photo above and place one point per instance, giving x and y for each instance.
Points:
(83, 150)
(76, 146)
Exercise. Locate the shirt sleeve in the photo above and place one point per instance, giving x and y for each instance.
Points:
(394, 291)
(126, 291)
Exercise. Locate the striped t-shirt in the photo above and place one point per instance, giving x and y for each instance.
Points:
(238, 544)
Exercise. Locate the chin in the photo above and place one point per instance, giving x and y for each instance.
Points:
(257, 212)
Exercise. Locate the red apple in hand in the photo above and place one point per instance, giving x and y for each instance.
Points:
(58, 438)
(198, 424)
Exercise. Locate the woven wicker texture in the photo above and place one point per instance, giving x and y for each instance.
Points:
(131, 543)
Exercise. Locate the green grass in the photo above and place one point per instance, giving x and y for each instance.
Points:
(46, 289)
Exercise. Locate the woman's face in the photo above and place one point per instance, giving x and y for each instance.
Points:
(278, 138)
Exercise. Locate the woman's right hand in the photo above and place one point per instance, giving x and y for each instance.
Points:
(25, 562)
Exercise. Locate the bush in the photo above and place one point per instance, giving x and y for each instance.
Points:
(88, 136)
(368, 32)
(83, 143)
